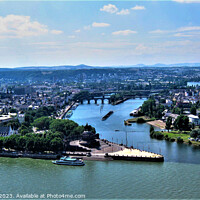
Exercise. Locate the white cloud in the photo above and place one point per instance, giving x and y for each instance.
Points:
(110, 8)
(103, 45)
(44, 43)
(189, 28)
(124, 32)
(158, 31)
(182, 35)
(87, 27)
(186, 1)
(140, 47)
(138, 8)
(18, 26)
(123, 12)
(71, 36)
(187, 31)
(56, 32)
(95, 24)
(77, 31)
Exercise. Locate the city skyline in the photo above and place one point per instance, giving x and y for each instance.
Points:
(99, 33)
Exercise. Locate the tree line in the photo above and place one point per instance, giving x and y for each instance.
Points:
(151, 109)
(54, 132)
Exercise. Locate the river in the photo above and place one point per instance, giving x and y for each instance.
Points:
(176, 178)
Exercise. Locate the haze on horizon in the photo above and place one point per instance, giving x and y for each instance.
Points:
(99, 33)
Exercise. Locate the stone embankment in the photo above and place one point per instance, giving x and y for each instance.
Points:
(105, 152)
(27, 155)
(112, 151)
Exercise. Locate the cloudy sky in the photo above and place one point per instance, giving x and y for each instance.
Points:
(99, 33)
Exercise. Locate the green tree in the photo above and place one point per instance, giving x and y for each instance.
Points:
(42, 123)
(13, 110)
(195, 133)
(10, 142)
(23, 130)
(56, 144)
(1, 143)
(28, 118)
(30, 143)
(193, 110)
(182, 123)
(14, 124)
(77, 130)
(57, 125)
(168, 123)
(21, 143)
(151, 129)
(150, 109)
(176, 110)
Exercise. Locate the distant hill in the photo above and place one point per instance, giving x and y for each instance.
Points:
(167, 65)
(62, 67)
(82, 66)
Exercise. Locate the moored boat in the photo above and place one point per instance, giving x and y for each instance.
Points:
(69, 114)
(69, 161)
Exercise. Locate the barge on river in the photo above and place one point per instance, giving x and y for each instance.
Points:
(107, 115)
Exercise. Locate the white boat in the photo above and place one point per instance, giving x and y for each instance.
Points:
(69, 161)
(69, 114)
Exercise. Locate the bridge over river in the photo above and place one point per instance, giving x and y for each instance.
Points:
(106, 95)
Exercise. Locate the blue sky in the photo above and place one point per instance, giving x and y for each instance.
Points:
(99, 33)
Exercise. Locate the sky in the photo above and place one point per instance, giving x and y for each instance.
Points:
(99, 33)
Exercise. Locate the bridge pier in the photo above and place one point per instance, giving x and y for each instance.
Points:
(95, 101)
(88, 101)
(81, 101)
(102, 101)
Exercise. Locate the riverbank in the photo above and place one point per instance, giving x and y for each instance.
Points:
(29, 155)
(144, 119)
(66, 110)
(135, 120)
(157, 123)
(177, 136)
(107, 151)
(113, 151)
(119, 101)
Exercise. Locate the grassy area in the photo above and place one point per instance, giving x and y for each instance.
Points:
(145, 118)
(178, 134)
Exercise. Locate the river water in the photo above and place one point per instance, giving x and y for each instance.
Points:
(176, 178)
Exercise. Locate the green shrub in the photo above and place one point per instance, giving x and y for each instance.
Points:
(157, 135)
(179, 140)
(140, 120)
(171, 139)
(189, 142)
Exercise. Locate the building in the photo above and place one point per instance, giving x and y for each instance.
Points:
(21, 118)
(88, 135)
(6, 131)
(194, 119)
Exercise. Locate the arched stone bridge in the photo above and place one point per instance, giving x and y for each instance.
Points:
(95, 99)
